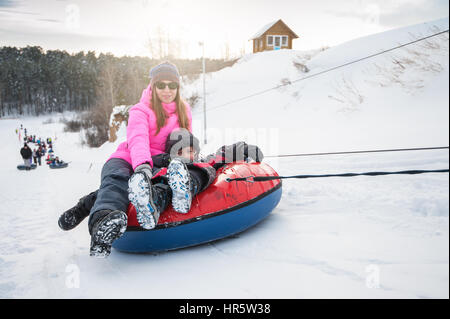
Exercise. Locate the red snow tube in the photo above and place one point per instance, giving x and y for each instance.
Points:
(223, 209)
(220, 195)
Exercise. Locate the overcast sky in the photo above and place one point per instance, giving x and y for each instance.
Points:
(125, 26)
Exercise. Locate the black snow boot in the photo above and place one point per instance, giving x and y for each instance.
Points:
(196, 184)
(72, 217)
(106, 226)
(162, 195)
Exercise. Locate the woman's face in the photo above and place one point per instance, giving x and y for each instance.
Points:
(166, 94)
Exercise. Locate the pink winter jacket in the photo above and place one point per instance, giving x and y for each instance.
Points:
(142, 143)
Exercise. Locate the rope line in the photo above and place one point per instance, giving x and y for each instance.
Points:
(252, 179)
(360, 152)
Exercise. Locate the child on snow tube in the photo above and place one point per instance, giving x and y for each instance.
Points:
(183, 147)
(56, 161)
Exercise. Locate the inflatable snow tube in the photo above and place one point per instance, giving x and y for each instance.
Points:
(222, 210)
(23, 167)
(63, 165)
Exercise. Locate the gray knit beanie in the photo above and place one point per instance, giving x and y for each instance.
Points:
(164, 71)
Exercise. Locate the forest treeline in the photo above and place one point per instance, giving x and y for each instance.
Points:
(34, 81)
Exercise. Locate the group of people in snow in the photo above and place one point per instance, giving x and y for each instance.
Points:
(158, 164)
(33, 139)
(40, 149)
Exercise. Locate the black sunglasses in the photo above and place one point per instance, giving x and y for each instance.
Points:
(171, 85)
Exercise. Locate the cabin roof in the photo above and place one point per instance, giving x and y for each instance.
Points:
(267, 27)
(263, 30)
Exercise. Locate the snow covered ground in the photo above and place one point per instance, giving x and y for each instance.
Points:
(360, 237)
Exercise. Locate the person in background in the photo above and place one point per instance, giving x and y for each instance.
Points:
(50, 157)
(39, 154)
(35, 156)
(26, 154)
(57, 161)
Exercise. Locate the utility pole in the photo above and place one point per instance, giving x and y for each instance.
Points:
(204, 91)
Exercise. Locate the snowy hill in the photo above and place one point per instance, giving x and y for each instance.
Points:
(404, 92)
(361, 237)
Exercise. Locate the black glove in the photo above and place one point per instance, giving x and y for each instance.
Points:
(254, 153)
(161, 160)
(240, 151)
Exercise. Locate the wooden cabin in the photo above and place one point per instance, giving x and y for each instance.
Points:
(273, 36)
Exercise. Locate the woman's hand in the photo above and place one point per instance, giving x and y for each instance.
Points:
(146, 169)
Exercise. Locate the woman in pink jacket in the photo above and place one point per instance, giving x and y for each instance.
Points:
(126, 176)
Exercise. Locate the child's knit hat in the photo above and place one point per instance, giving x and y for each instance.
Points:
(181, 138)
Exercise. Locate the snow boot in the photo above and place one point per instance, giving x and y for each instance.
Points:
(108, 226)
(183, 185)
(162, 195)
(148, 200)
(72, 217)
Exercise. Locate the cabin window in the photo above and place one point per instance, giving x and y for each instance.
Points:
(260, 44)
(277, 41)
